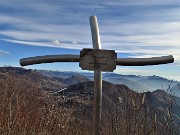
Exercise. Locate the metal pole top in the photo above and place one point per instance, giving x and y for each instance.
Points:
(95, 32)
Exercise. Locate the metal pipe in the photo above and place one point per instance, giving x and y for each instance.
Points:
(97, 78)
(97, 102)
(95, 32)
(145, 61)
(49, 59)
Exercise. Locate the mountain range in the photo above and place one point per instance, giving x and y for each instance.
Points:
(134, 82)
(47, 83)
(78, 90)
(144, 83)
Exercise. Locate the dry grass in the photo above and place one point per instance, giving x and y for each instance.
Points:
(25, 109)
(133, 116)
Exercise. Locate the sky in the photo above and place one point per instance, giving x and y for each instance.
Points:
(133, 28)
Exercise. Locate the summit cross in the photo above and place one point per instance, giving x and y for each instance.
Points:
(97, 60)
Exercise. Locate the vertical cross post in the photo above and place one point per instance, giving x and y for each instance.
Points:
(97, 78)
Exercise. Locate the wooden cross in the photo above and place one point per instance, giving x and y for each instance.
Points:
(97, 60)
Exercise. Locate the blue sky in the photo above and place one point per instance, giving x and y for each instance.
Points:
(134, 28)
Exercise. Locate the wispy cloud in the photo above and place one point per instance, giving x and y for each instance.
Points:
(142, 2)
(44, 44)
(3, 53)
(138, 28)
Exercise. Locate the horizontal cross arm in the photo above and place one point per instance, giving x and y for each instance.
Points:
(49, 59)
(145, 61)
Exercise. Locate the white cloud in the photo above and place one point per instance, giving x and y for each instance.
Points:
(3, 53)
(146, 39)
(43, 44)
(141, 2)
(56, 42)
(7, 19)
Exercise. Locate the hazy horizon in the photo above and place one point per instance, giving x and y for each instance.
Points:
(86, 71)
